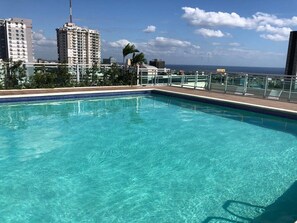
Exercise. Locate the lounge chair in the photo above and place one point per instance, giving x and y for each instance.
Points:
(275, 94)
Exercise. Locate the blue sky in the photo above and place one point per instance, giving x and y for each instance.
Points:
(208, 32)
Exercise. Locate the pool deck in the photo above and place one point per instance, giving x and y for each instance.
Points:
(202, 94)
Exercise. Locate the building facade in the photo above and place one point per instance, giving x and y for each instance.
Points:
(77, 45)
(16, 40)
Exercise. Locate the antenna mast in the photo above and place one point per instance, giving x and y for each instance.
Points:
(70, 11)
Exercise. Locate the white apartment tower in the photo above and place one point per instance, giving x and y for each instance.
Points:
(16, 39)
(77, 45)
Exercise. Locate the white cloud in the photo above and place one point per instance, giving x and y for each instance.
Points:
(265, 18)
(119, 44)
(234, 44)
(274, 33)
(251, 53)
(181, 51)
(210, 33)
(271, 29)
(39, 39)
(167, 42)
(155, 48)
(199, 17)
(274, 28)
(274, 37)
(150, 29)
(44, 47)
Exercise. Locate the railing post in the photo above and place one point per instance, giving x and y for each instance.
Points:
(140, 78)
(265, 87)
(170, 81)
(209, 82)
(226, 83)
(290, 92)
(196, 80)
(182, 80)
(77, 74)
(5, 74)
(245, 84)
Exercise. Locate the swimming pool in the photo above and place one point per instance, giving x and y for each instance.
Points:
(143, 158)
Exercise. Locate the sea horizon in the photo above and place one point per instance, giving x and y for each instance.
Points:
(237, 69)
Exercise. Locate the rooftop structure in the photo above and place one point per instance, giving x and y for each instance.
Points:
(109, 60)
(158, 63)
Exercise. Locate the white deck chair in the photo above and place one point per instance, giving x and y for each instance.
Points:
(275, 94)
(239, 90)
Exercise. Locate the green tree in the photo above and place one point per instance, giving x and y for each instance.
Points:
(15, 74)
(63, 77)
(113, 76)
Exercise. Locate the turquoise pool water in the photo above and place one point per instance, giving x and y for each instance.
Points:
(141, 159)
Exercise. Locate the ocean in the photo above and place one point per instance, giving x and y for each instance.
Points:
(230, 69)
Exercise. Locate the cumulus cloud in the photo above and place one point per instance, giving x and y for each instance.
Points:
(182, 51)
(210, 33)
(265, 18)
(274, 37)
(199, 17)
(169, 45)
(234, 44)
(162, 41)
(44, 47)
(39, 39)
(274, 33)
(274, 28)
(150, 29)
(159, 46)
(119, 43)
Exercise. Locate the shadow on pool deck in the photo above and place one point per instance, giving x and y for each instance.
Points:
(283, 210)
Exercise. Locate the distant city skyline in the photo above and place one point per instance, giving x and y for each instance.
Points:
(225, 32)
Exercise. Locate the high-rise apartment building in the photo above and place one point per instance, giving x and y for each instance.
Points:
(77, 45)
(16, 39)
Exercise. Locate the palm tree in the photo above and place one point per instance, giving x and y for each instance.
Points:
(138, 59)
(128, 49)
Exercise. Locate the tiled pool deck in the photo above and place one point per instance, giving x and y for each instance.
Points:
(218, 98)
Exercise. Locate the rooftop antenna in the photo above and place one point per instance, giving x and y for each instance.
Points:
(70, 11)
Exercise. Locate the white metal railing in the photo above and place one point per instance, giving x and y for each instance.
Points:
(274, 87)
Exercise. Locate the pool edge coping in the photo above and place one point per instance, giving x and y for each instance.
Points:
(70, 93)
(218, 101)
